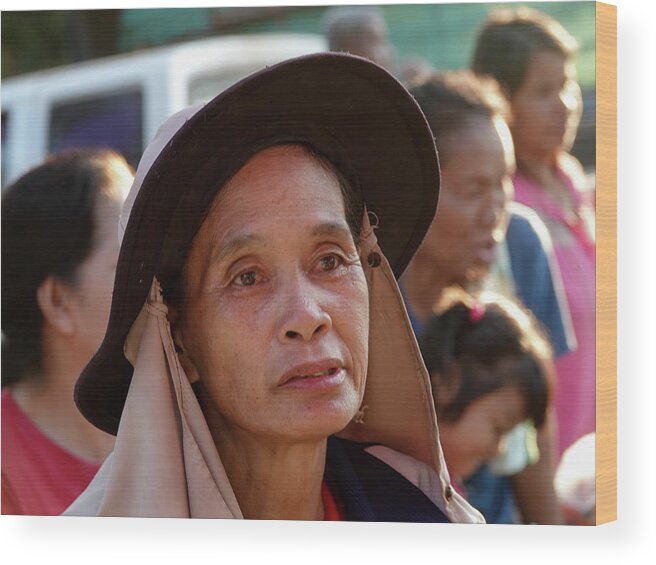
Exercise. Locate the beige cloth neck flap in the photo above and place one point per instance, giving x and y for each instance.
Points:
(165, 462)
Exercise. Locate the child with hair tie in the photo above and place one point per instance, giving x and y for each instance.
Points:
(491, 369)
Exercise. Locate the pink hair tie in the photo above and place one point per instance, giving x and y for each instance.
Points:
(476, 312)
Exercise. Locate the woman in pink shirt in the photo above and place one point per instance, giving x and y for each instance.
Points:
(531, 56)
(59, 253)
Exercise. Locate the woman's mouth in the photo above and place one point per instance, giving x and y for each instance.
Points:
(486, 255)
(324, 374)
(486, 252)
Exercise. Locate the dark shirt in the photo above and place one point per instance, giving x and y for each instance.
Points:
(368, 490)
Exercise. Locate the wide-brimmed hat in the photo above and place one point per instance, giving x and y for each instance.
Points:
(347, 108)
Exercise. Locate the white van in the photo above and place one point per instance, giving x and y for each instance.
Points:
(120, 101)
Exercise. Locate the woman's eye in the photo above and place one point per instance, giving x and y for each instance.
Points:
(329, 262)
(249, 278)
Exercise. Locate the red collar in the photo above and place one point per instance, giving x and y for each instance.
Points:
(330, 510)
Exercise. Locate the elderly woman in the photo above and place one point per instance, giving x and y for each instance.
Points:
(258, 361)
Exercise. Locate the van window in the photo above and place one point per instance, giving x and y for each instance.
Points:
(206, 86)
(110, 120)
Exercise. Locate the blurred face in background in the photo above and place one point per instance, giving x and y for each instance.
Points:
(478, 435)
(475, 190)
(373, 44)
(547, 106)
(94, 278)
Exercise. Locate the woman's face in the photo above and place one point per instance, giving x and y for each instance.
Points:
(477, 436)
(546, 108)
(94, 278)
(276, 318)
(475, 190)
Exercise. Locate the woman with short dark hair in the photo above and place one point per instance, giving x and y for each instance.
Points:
(59, 252)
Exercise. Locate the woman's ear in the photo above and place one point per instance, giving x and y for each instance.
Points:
(178, 342)
(56, 302)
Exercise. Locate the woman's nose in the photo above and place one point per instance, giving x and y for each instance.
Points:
(303, 318)
(494, 207)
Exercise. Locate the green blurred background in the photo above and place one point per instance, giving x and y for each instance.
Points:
(443, 34)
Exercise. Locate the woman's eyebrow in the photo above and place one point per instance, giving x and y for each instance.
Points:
(226, 249)
(331, 228)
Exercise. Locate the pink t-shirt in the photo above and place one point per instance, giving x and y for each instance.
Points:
(38, 476)
(574, 248)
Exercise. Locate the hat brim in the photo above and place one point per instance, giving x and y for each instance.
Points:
(348, 108)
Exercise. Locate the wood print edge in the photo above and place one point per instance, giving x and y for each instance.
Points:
(606, 274)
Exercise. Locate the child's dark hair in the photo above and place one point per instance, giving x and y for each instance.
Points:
(48, 229)
(475, 347)
(508, 41)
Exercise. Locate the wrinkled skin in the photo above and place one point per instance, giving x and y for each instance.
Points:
(275, 293)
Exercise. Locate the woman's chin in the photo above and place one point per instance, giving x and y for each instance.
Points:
(318, 422)
(319, 413)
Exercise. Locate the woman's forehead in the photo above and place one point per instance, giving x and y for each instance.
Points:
(292, 160)
(280, 187)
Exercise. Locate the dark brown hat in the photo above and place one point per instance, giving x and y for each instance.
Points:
(347, 108)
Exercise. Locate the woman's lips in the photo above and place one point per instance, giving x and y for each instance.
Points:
(316, 375)
(486, 252)
(486, 255)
